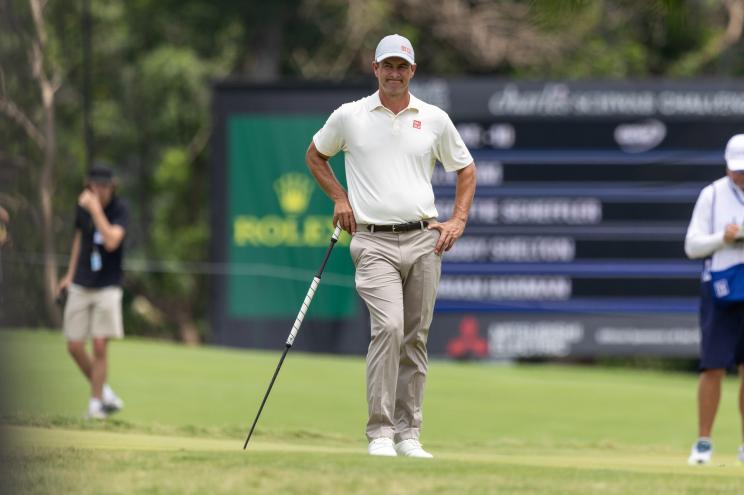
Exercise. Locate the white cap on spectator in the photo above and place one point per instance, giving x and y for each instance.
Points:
(394, 45)
(735, 153)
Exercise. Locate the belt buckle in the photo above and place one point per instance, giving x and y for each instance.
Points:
(394, 228)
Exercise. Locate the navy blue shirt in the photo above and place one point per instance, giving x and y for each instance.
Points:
(97, 267)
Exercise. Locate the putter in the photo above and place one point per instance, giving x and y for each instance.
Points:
(296, 326)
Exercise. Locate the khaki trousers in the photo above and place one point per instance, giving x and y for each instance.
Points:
(397, 275)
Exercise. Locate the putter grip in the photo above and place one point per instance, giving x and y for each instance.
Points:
(303, 310)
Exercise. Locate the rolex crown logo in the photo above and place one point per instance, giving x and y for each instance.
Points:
(294, 191)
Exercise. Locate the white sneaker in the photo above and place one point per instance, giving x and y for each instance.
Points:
(111, 402)
(701, 452)
(113, 405)
(412, 448)
(741, 454)
(382, 447)
(96, 410)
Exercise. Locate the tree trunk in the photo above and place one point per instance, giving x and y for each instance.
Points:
(268, 49)
(47, 87)
(46, 193)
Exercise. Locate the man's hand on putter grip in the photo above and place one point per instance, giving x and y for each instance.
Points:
(344, 215)
(449, 232)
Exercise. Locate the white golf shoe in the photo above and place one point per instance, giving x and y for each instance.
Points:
(111, 402)
(741, 454)
(412, 448)
(382, 447)
(701, 453)
(96, 410)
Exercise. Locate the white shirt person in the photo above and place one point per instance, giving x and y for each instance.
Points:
(391, 141)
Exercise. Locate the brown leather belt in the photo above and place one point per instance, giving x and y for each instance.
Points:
(399, 227)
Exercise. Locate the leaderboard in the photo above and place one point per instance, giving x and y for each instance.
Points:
(575, 241)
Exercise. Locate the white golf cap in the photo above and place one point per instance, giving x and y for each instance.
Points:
(735, 153)
(394, 45)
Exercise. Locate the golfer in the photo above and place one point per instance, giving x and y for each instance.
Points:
(93, 285)
(716, 233)
(391, 141)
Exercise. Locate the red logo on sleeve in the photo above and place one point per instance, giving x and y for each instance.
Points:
(417, 124)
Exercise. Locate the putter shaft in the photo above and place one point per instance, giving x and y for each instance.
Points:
(268, 391)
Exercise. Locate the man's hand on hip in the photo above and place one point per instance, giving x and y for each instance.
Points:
(449, 232)
(344, 215)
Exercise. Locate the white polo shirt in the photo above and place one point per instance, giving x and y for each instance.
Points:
(718, 205)
(389, 158)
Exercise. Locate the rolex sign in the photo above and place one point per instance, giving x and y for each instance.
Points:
(281, 222)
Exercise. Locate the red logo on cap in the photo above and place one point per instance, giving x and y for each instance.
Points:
(417, 124)
(405, 49)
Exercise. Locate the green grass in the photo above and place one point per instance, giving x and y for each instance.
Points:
(493, 429)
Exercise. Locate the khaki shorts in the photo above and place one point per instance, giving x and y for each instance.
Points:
(93, 313)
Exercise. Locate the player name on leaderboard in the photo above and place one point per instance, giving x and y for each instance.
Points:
(574, 244)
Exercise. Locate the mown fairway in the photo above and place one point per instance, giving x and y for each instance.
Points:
(493, 429)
